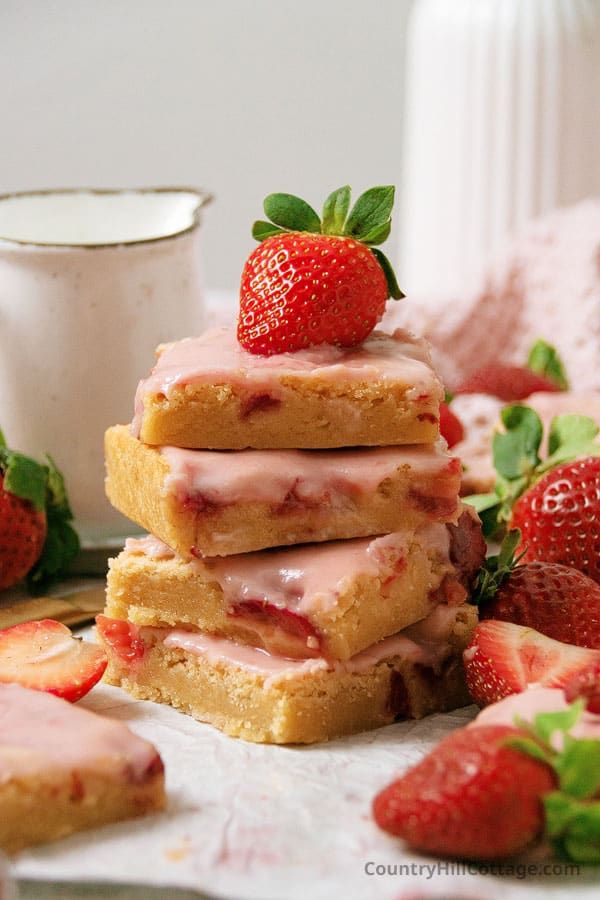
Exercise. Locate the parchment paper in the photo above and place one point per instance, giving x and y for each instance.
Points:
(256, 822)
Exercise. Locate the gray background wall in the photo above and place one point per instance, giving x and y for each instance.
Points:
(242, 97)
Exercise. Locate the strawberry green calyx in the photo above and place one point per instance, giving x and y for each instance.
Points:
(496, 569)
(544, 360)
(43, 486)
(368, 221)
(572, 811)
(518, 463)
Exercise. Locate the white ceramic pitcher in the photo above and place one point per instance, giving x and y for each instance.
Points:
(90, 282)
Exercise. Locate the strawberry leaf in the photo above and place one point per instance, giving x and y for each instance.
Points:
(390, 277)
(516, 449)
(60, 548)
(481, 502)
(547, 724)
(573, 826)
(24, 477)
(378, 235)
(530, 747)
(291, 212)
(335, 211)
(544, 360)
(372, 210)
(571, 429)
(2, 440)
(263, 230)
(62, 543)
(578, 768)
(58, 501)
(496, 569)
(571, 436)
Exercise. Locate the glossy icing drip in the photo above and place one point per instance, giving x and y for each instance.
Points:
(215, 357)
(304, 476)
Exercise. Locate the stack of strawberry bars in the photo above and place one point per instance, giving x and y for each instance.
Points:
(309, 558)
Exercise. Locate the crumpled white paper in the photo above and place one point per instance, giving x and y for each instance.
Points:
(248, 821)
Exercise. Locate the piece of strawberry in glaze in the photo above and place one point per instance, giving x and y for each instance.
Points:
(122, 637)
(45, 656)
(281, 631)
(451, 427)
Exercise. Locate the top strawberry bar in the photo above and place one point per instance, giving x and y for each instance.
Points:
(209, 393)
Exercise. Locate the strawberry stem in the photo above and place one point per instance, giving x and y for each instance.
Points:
(369, 221)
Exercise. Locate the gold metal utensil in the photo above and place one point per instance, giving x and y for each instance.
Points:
(77, 608)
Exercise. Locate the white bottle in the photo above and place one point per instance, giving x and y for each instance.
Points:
(502, 124)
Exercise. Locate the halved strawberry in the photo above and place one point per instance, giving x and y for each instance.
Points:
(504, 659)
(44, 655)
(281, 631)
(585, 685)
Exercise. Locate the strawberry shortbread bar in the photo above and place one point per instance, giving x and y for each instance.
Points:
(63, 769)
(265, 697)
(211, 503)
(210, 393)
(332, 599)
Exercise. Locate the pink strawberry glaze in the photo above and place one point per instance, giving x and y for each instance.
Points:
(311, 476)
(41, 733)
(149, 546)
(532, 701)
(308, 577)
(215, 357)
(427, 645)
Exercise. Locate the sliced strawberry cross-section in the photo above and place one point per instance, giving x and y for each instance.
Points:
(44, 655)
(504, 659)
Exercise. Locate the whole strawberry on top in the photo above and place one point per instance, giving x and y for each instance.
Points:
(36, 537)
(317, 280)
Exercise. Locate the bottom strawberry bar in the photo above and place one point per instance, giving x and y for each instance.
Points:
(63, 768)
(261, 697)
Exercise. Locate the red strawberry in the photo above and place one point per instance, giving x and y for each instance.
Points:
(316, 281)
(450, 426)
(505, 382)
(559, 517)
(558, 601)
(36, 537)
(22, 536)
(281, 631)
(45, 656)
(471, 797)
(122, 637)
(504, 659)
